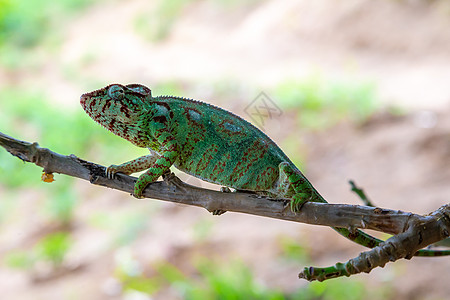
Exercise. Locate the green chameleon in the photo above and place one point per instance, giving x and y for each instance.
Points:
(204, 141)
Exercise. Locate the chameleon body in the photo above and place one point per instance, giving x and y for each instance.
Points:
(204, 141)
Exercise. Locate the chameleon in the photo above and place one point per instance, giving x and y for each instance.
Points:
(207, 142)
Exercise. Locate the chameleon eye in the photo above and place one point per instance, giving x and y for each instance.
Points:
(116, 92)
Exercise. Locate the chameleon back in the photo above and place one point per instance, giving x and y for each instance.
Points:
(220, 147)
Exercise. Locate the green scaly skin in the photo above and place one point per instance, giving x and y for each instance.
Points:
(204, 141)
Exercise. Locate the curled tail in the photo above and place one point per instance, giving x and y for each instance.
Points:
(304, 192)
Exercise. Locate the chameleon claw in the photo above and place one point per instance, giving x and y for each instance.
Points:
(297, 202)
(218, 212)
(111, 171)
(137, 197)
(137, 194)
(168, 175)
(225, 189)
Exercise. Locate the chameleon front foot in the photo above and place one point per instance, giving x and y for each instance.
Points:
(225, 189)
(111, 171)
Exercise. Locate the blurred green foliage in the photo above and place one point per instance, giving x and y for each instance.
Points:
(52, 248)
(292, 250)
(202, 229)
(296, 149)
(234, 280)
(322, 102)
(126, 225)
(168, 88)
(227, 281)
(337, 289)
(156, 25)
(25, 23)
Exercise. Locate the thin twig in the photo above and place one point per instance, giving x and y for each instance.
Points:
(358, 191)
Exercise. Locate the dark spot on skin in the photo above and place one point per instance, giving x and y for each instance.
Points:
(125, 130)
(299, 181)
(91, 106)
(125, 111)
(107, 105)
(111, 124)
(160, 119)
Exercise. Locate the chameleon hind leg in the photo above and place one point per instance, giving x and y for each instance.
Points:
(292, 179)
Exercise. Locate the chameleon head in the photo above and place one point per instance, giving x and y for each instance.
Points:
(118, 108)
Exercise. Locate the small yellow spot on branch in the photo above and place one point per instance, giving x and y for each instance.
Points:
(47, 177)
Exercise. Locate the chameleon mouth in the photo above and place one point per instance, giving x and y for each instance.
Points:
(87, 96)
(83, 99)
(86, 103)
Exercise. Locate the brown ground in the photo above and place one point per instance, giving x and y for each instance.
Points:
(402, 45)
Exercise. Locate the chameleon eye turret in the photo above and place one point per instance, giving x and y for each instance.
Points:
(116, 92)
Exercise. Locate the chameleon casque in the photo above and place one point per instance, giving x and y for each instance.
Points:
(204, 141)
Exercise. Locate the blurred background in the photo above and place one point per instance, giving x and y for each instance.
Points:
(361, 90)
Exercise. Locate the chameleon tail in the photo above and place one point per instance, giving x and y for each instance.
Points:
(305, 190)
(369, 241)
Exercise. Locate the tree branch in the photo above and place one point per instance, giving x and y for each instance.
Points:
(419, 234)
(174, 190)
